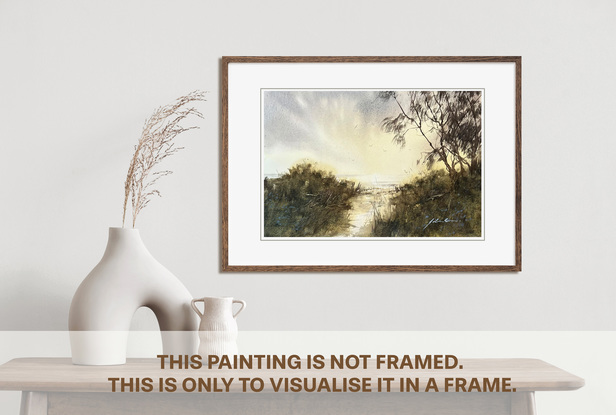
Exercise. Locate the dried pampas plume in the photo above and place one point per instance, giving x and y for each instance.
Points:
(156, 144)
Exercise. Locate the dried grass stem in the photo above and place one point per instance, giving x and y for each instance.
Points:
(155, 145)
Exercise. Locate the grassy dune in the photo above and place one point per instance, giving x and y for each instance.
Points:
(307, 202)
(432, 206)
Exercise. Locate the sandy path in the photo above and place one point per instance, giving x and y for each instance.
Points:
(363, 208)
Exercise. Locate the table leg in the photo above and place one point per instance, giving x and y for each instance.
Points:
(523, 403)
(33, 403)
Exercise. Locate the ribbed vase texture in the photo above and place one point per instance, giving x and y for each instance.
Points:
(218, 328)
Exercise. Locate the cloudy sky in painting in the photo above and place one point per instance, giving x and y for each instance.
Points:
(339, 130)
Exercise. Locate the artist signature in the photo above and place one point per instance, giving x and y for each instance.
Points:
(435, 220)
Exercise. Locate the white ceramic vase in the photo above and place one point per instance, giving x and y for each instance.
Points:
(218, 328)
(127, 278)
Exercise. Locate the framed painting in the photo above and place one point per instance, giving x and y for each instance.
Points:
(371, 164)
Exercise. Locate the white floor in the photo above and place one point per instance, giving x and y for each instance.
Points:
(590, 355)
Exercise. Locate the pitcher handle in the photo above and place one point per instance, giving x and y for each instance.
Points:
(194, 306)
(243, 306)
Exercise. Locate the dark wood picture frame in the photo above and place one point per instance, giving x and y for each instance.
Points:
(227, 267)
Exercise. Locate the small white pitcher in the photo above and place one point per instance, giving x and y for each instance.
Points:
(218, 329)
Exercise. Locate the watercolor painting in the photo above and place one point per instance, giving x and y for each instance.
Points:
(372, 163)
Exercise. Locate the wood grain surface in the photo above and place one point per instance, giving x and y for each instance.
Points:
(60, 375)
(283, 404)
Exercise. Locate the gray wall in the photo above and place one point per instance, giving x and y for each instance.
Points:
(78, 79)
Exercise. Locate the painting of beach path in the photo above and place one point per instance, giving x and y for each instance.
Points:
(371, 163)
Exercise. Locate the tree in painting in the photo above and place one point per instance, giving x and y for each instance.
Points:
(450, 123)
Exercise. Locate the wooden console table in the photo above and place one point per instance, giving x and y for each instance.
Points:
(54, 386)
